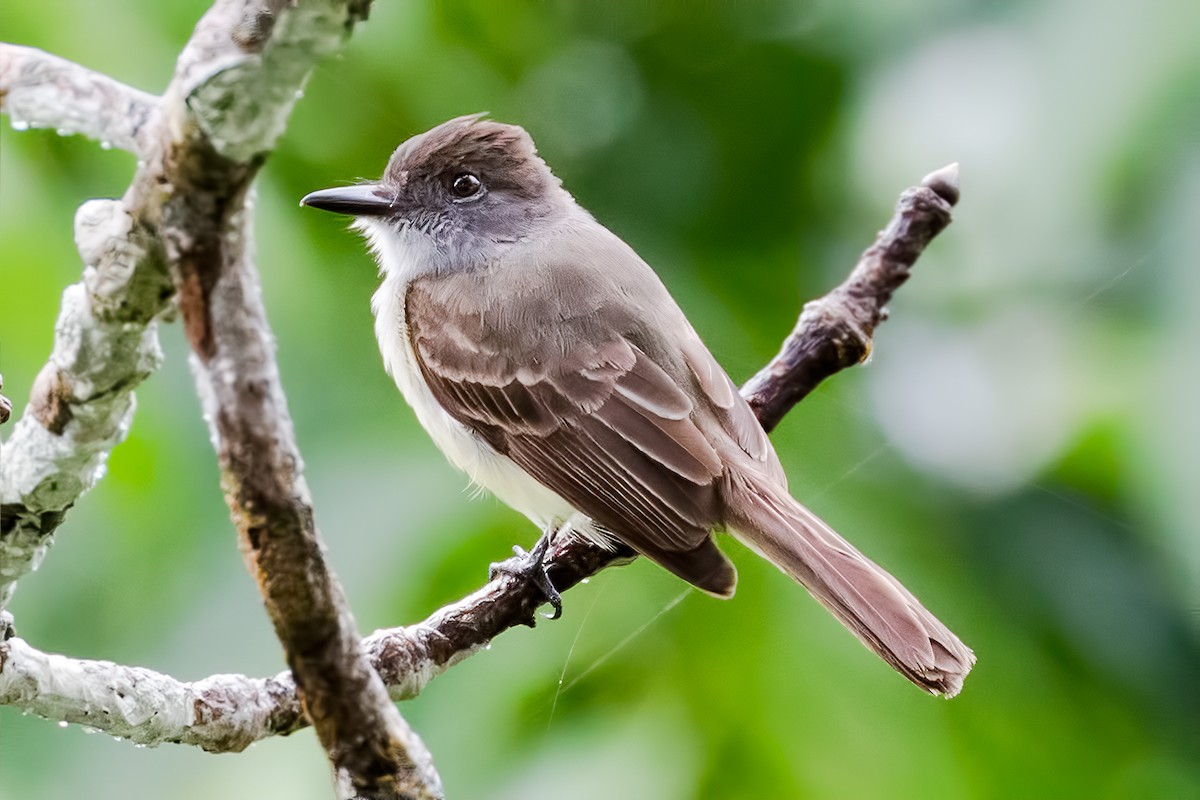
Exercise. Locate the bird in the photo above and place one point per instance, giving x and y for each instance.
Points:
(550, 363)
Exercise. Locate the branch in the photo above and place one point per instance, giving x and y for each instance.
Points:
(235, 84)
(238, 79)
(105, 344)
(5, 404)
(834, 331)
(226, 713)
(242, 397)
(221, 714)
(408, 658)
(38, 90)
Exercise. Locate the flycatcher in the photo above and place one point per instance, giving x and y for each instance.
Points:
(549, 363)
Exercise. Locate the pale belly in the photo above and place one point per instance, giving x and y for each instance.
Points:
(484, 466)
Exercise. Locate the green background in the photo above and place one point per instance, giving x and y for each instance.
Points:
(1021, 450)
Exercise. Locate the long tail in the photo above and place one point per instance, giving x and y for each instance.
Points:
(867, 600)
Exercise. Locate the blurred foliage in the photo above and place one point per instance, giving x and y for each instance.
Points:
(1022, 450)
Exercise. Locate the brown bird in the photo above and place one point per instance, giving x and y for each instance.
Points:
(548, 362)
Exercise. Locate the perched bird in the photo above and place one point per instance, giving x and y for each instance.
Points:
(548, 362)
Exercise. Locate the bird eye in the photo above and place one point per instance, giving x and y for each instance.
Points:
(465, 185)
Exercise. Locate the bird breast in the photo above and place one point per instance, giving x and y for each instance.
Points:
(483, 465)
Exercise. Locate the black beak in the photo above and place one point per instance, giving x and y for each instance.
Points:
(362, 200)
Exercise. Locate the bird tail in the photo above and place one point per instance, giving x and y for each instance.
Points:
(870, 602)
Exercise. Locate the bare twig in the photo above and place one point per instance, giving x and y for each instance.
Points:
(834, 331)
(408, 658)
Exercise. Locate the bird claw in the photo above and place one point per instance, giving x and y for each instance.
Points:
(531, 566)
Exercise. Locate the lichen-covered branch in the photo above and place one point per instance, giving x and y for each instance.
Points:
(408, 658)
(186, 210)
(5, 404)
(221, 714)
(105, 344)
(38, 90)
(226, 713)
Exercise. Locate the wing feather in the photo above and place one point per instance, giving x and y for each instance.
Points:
(593, 418)
(590, 400)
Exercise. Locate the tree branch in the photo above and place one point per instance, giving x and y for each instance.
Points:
(238, 78)
(408, 658)
(235, 83)
(834, 331)
(5, 404)
(221, 714)
(105, 344)
(38, 90)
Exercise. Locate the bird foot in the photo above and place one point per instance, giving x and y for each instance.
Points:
(531, 567)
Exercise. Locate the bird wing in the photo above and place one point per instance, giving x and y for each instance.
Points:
(576, 384)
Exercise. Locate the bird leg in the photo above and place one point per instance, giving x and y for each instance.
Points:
(531, 567)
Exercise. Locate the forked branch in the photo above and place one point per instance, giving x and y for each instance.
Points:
(184, 229)
(833, 332)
